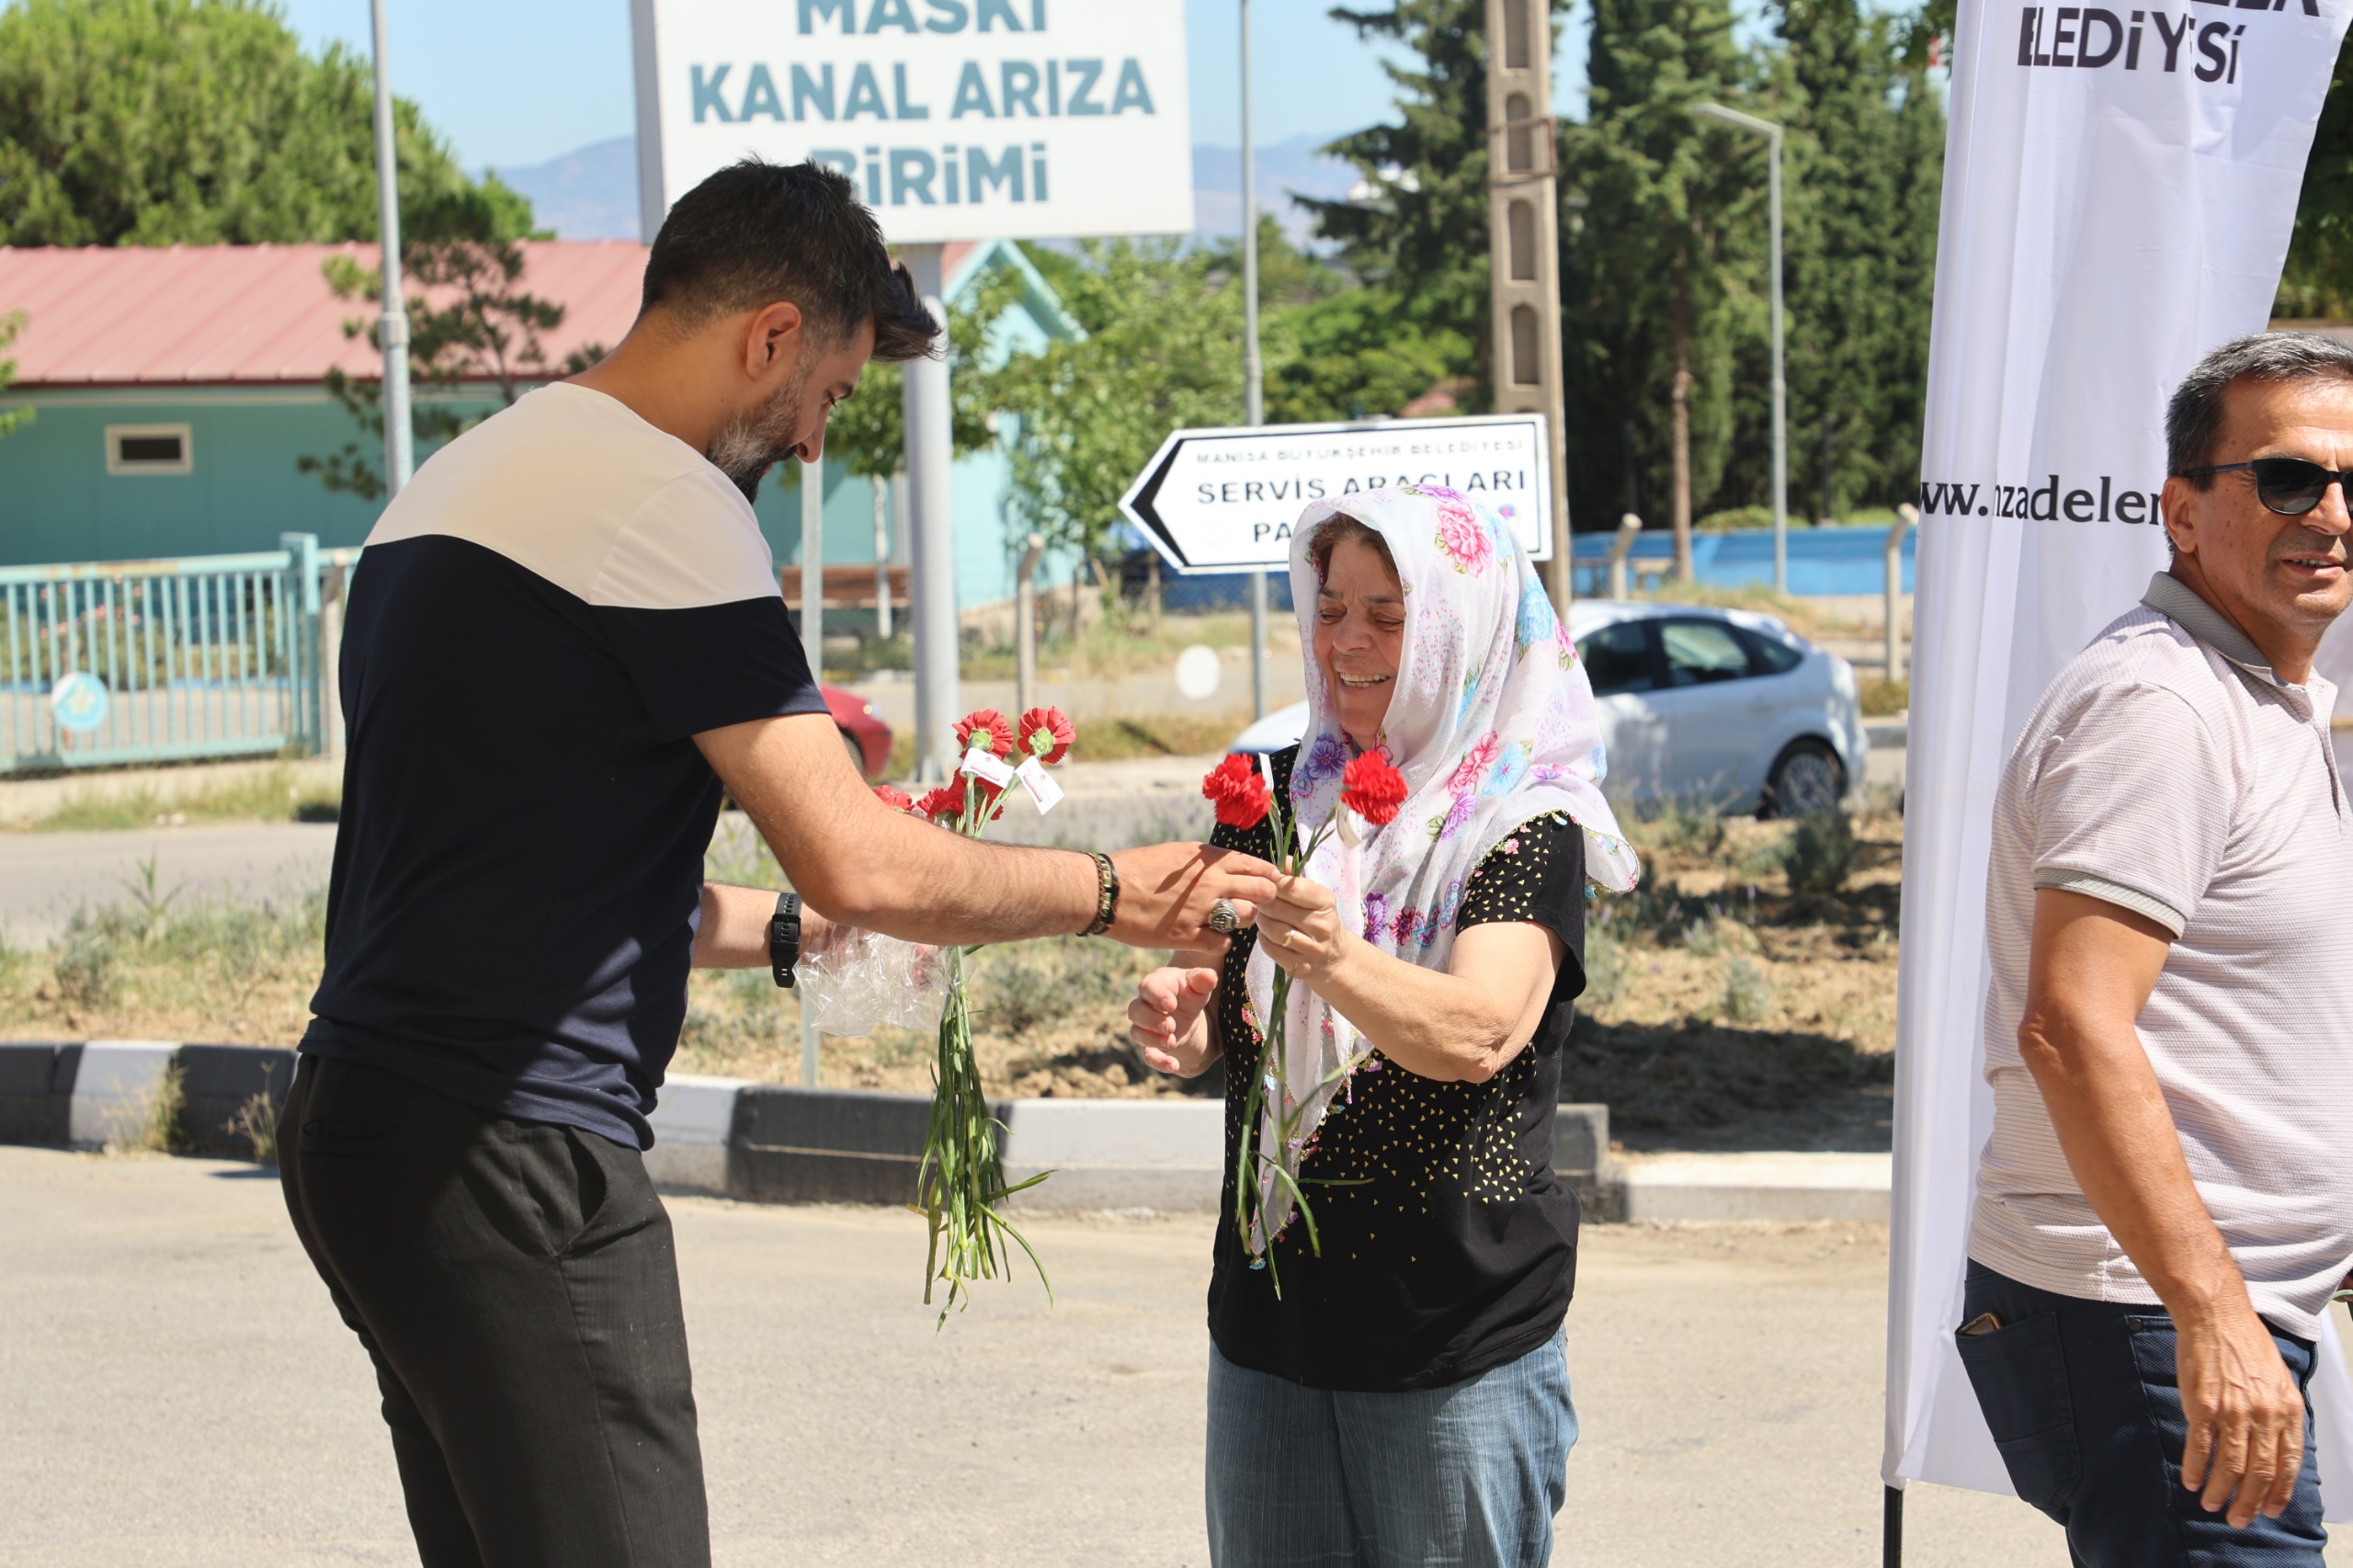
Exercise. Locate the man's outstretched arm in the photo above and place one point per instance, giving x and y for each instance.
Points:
(2092, 967)
(860, 863)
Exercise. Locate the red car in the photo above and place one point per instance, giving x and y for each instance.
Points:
(866, 737)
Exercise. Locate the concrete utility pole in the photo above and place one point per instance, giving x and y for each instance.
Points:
(1772, 135)
(392, 331)
(931, 617)
(1523, 231)
(1254, 367)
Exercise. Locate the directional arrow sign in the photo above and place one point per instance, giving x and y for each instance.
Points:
(1225, 500)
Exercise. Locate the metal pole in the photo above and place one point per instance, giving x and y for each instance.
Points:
(930, 525)
(1254, 368)
(1891, 1529)
(882, 558)
(808, 1046)
(392, 331)
(812, 565)
(1781, 391)
(1025, 623)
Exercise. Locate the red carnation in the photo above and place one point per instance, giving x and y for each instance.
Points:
(897, 800)
(946, 801)
(1046, 734)
(1372, 789)
(1237, 792)
(1000, 740)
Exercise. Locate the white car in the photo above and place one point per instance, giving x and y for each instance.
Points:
(1716, 708)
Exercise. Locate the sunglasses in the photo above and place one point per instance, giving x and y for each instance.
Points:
(2290, 486)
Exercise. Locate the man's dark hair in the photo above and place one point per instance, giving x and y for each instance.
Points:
(756, 232)
(2194, 417)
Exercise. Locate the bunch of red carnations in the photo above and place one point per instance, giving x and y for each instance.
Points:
(960, 1187)
(1243, 796)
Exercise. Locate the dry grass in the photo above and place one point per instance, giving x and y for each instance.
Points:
(1722, 1006)
(153, 966)
(275, 794)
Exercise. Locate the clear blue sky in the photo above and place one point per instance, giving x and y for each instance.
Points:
(514, 82)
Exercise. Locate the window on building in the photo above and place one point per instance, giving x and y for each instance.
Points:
(149, 448)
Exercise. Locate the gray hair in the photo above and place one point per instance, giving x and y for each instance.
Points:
(2194, 417)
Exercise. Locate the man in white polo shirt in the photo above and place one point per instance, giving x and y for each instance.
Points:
(2165, 1203)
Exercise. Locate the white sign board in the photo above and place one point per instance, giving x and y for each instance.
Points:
(1225, 500)
(957, 120)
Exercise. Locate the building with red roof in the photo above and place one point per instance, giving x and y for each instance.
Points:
(175, 390)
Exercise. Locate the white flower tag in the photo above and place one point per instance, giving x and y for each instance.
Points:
(982, 762)
(1043, 790)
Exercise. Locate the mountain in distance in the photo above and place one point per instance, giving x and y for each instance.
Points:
(591, 193)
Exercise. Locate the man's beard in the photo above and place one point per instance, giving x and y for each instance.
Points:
(756, 440)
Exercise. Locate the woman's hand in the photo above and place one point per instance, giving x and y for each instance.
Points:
(1299, 929)
(1169, 1020)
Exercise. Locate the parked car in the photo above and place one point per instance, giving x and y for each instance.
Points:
(1716, 708)
(864, 734)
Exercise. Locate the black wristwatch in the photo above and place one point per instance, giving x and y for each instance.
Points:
(784, 938)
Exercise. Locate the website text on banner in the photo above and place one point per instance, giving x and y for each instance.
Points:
(957, 120)
(2103, 227)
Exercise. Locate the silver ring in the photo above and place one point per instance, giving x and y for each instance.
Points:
(1223, 919)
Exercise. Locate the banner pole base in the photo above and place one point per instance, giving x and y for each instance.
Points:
(1891, 1529)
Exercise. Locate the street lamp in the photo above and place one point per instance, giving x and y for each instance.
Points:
(1772, 135)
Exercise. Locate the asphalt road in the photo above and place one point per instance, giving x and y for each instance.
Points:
(178, 1392)
(44, 877)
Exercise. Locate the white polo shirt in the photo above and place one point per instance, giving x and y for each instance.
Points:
(2167, 770)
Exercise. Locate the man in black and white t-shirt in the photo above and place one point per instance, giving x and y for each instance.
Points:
(564, 635)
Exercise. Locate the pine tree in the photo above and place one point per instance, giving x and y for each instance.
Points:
(1864, 181)
(1655, 202)
(1422, 237)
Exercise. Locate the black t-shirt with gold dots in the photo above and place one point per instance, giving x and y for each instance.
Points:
(1457, 1252)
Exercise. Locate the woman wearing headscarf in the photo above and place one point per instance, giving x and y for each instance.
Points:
(1394, 1390)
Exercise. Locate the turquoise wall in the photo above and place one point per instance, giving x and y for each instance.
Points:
(58, 503)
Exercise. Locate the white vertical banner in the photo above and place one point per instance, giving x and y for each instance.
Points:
(2119, 188)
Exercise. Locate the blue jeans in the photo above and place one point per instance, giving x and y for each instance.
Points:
(1465, 1476)
(2083, 1401)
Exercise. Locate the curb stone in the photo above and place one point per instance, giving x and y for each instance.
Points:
(776, 1144)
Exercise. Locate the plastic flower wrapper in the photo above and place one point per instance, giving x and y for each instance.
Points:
(961, 1189)
(856, 979)
(1243, 796)
(859, 980)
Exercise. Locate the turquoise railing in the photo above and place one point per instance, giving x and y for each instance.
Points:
(199, 657)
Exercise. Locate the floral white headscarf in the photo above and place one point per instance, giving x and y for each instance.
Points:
(1492, 721)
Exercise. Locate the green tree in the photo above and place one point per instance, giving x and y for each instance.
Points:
(1654, 201)
(198, 122)
(485, 330)
(2318, 278)
(11, 419)
(867, 434)
(1421, 238)
(1162, 350)
(1866, 180)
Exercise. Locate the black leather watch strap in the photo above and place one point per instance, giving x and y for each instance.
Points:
(784, 938)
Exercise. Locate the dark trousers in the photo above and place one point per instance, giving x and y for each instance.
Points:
(517, 1286)
(2083, 1401)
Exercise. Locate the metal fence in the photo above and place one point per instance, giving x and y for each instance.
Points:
(108, 663)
